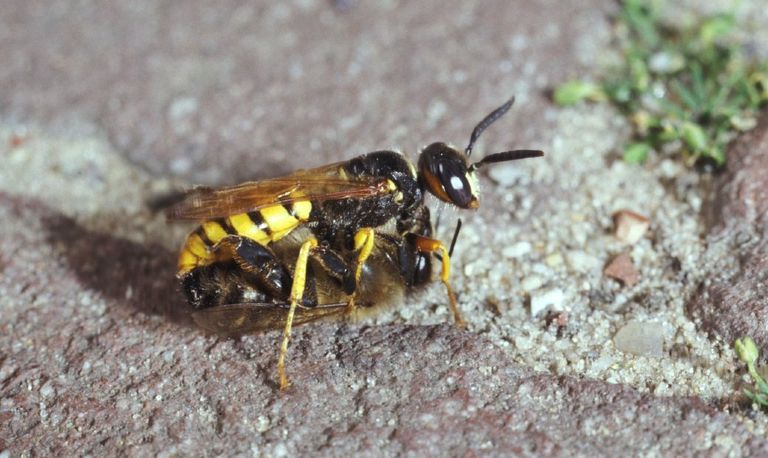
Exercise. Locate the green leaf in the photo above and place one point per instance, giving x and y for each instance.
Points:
(573, 92)
(641, 78)
(640, 17)
(717, 154)
(686, 95)
(637, 153)
(687, 89)
(694, 136)
(746, 350)
(716, 27)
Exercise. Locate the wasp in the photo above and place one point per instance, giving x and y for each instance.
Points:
(324, 242)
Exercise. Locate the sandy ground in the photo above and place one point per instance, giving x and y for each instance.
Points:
(532, 255)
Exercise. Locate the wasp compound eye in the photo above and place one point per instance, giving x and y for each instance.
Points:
(444, 171)
(455, 183)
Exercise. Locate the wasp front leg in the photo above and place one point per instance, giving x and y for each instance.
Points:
(429, 245)
(364, 243)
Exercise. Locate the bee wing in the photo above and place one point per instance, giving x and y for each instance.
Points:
(319, 184)
(236, 319)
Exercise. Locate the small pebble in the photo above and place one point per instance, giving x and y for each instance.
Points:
(47, 390)
(532, 282)
(552, 298)
(517, 250)
(602, 363)
(263, 424)
(559, 319)
(629, 226)
(622, 269)
(641, 339)
(582, 261)
(554, 260)
(666, 62)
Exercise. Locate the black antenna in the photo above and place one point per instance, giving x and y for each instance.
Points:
(455, 237)
(506, 156)
(487, 121)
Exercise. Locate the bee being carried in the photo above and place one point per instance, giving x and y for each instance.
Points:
(323, 242)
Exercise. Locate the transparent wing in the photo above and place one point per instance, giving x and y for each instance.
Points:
(245, 318)
(319, 184)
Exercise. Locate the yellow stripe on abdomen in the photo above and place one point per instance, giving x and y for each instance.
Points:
(264, 226)
(193, 254)
(213, 231)
(278, 219)
(245, 226)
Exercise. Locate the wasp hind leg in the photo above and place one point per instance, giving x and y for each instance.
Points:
(297, 294)
(429, 245)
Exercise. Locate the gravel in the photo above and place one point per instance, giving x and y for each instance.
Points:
(125, 105)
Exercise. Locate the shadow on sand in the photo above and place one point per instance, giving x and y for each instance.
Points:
(138, 276)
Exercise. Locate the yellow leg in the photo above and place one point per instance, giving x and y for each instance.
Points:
(297, 293)
(425, 244)
(364, 239)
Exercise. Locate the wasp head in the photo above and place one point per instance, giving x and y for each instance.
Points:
(446, 172)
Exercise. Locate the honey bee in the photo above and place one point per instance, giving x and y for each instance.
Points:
(324, 242)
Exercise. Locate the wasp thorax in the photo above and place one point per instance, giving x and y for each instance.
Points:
(445, 173)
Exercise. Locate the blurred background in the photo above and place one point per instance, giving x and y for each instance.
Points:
(582, 340)
(233, 90)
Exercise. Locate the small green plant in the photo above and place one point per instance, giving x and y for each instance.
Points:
(748, 353)
(687, 89)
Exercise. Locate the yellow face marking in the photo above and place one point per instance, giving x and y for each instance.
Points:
(214, 231)
(244, 226)
(278, 219)
(302, 209)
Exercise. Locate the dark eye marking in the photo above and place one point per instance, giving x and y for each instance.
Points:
(452, 177)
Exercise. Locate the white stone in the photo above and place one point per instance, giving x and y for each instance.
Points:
(552, 298)
(641, 338)
(532, 282)
(517, 250)
(47, 390)
(582, 261)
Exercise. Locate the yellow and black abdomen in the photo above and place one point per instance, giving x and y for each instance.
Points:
(264, 226)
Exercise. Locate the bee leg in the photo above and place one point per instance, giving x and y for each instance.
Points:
(268, 271)
(297, 293)
(335, 266)
(428, 245)
(364, 239)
